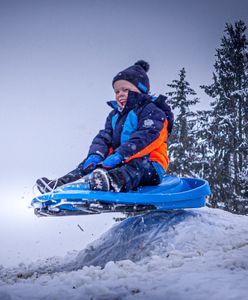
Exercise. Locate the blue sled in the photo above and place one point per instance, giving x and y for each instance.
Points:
(76, 198)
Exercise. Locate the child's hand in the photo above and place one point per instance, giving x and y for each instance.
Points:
(112, 161)
(90, 163)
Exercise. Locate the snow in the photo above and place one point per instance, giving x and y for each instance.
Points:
(190, 254)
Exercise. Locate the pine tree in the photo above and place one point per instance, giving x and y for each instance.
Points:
(203, 149)
(229, 133)
(182, 141)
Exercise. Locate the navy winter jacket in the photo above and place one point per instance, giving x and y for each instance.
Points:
(140, 129)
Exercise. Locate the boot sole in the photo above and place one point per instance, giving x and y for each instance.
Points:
(100, 181)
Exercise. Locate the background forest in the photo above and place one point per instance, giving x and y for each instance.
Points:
(213, 144)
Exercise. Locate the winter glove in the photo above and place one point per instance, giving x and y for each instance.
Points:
(90, 163)
(112, 161)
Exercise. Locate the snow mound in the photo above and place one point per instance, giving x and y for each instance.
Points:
(135, 238)
(182, 254)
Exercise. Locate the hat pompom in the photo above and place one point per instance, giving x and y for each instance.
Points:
(143, 64)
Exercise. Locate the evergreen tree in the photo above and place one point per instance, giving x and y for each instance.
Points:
(182, 141)
(203, 149)
(228, 126)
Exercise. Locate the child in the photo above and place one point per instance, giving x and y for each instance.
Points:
(131, 150)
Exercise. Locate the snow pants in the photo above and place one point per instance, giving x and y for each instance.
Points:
(137, 172)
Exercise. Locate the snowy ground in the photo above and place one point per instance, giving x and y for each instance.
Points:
(194, 254)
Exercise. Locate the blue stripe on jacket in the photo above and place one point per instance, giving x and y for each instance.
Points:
(129, 126)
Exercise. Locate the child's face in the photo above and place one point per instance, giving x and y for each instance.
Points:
(121, 88)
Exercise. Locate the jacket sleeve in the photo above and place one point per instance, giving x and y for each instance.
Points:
(150, 134)
(102, 142)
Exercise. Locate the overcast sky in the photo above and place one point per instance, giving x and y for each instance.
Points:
(58, 59)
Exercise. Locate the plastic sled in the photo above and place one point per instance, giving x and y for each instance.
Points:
(76, 198)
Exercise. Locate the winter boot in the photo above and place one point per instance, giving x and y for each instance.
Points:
(46, 185)
(103, 180)
(99, 180)
(118, 181)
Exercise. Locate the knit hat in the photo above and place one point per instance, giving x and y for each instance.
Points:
(136, 74)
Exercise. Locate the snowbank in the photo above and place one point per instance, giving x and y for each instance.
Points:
(194, 254)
